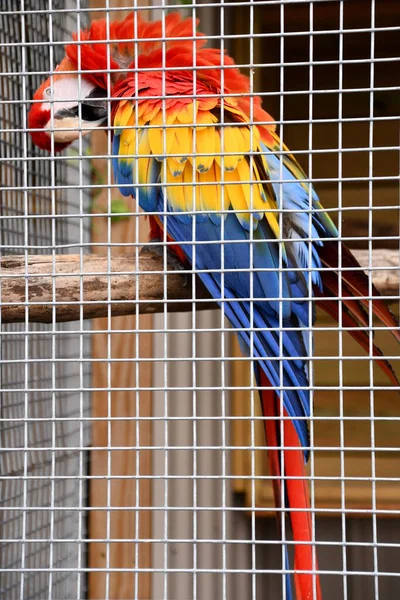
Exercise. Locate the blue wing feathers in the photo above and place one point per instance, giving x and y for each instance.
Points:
(265, 317)
(264, 286)
(124, 173)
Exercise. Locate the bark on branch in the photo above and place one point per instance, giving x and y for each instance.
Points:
(42, 289)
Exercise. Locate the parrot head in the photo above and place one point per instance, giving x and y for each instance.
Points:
(66, 106)
(132, 58)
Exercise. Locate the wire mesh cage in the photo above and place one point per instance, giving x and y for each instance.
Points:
(43, 460)
(136, 458)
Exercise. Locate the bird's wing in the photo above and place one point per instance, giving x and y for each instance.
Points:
(210, 183)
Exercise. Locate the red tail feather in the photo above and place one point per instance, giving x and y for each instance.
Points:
(353, 311)
(357, 281)
(330, 282)
(295, 488)
(298, 498)
(332, 308)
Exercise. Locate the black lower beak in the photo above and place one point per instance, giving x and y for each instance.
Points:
(94, 112)
(93, 108)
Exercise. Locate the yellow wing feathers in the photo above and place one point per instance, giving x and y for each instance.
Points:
(208, 167)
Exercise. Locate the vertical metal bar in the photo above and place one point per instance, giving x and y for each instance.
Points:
(53, 329)
(165, 336)
(283, 535)
(110, 440)
(194, 325)
(79, 590)
(251, 324)
(370, 307)
(310, 285)
(26, 337)
(137, 319)
(340, 307)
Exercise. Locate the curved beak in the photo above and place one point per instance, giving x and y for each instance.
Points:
(70, 122)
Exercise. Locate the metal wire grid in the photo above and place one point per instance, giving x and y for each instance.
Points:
(42, 442)
(204, 544)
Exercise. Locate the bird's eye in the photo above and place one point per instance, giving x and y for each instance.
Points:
(47, 92)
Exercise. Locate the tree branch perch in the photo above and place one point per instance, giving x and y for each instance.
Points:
(40, 290)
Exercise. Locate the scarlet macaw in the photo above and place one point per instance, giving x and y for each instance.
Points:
(224, 187)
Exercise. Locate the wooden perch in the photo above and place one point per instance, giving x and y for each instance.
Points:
(89, 286)
(34, 288)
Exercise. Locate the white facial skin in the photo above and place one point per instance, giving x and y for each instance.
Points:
(65, 92)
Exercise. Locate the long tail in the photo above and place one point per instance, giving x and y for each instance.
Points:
(294, 493)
